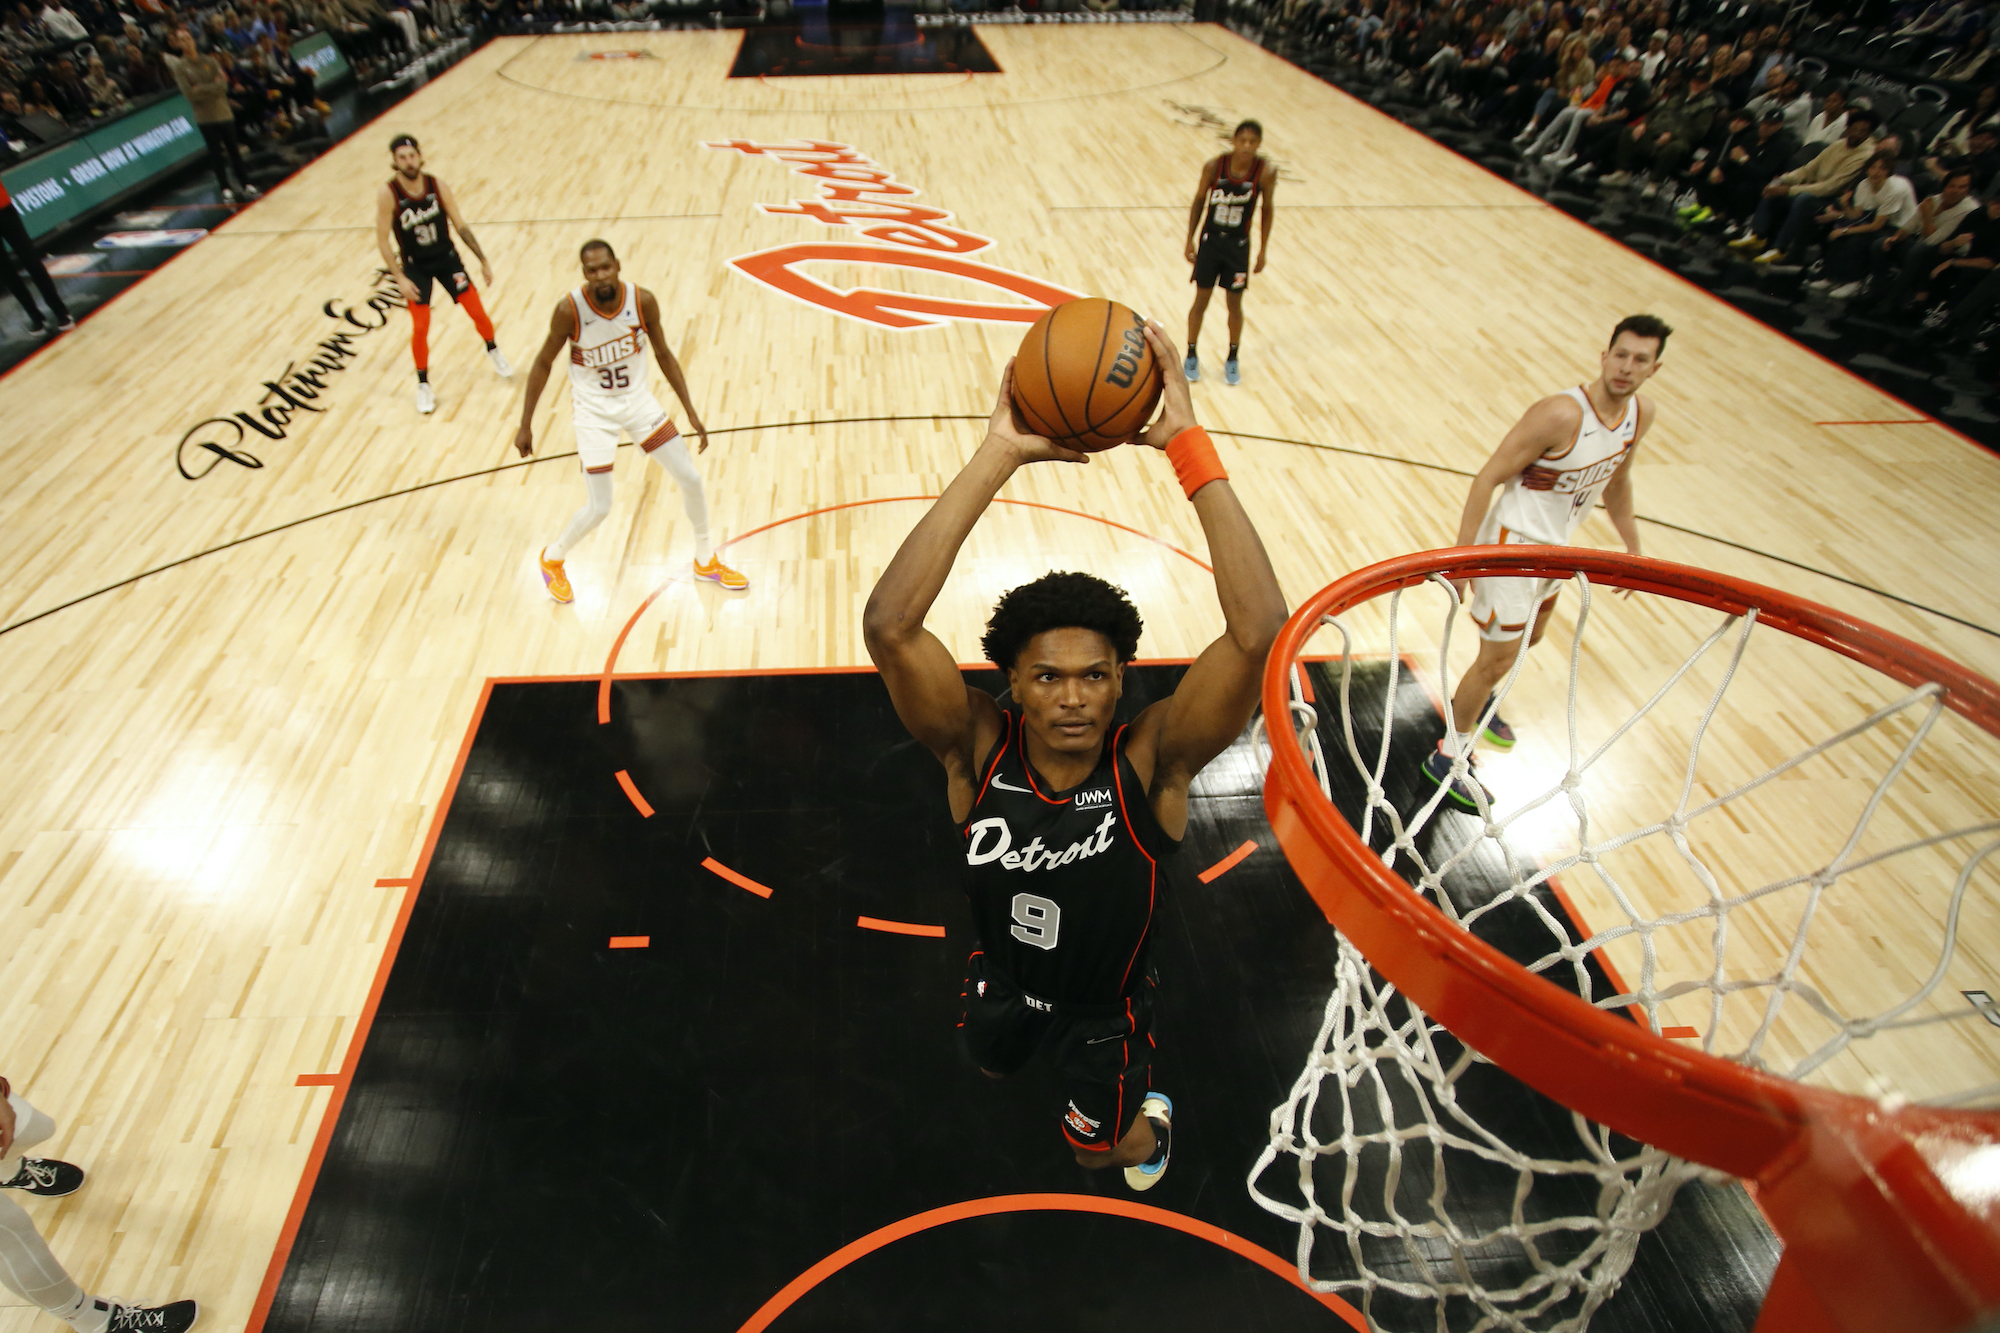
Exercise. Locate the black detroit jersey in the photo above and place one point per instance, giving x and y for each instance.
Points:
(1232, 204)
(1064, 885)
(422, 231)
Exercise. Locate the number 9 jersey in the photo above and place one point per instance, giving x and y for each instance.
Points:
(607, 380)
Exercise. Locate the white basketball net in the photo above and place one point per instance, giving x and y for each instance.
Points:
(1384, 1112)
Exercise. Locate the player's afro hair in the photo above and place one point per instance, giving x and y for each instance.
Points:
(1061, 601)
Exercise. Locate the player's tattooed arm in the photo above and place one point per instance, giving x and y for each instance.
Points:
(1175, 738)
(385, 240)
(956, 722)
(1200, 203)
(457, 220)
(562, 328)
(649, 314)
(1266, 213)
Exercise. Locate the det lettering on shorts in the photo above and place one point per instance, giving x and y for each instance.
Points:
(856, 192)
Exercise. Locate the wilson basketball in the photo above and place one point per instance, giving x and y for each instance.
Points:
(1085, 376)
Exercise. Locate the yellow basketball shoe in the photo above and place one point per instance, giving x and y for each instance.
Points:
(555, 578)
(717, 572)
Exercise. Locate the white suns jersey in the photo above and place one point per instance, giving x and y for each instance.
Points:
(1545, 503)
(607, 357)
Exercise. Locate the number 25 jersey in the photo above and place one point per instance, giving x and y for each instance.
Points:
(607, 354)
(1064, 885)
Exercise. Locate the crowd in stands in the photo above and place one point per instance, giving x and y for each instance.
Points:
(1863, 158)
(72, 62)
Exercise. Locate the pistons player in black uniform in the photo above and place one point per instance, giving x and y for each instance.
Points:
(1231, 188)
(1069, 823)
(415, 215)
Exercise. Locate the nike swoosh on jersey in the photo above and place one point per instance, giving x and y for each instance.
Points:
(1005, 785)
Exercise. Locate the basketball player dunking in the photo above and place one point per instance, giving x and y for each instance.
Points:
(1231, 187)
(420, 213)
(1066, 821)
(1564, 453)
(607, 323)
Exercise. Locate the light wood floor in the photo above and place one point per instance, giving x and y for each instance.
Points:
(208, 770)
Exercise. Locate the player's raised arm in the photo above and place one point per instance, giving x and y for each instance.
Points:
(649, 313)
(562, 327)
(950, 717)
(457, 219)
(1219, 693)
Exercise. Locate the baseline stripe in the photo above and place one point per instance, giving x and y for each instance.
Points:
(631, 941)
(392, 883)
(318, 1081)
(716, 867)
(898, 927)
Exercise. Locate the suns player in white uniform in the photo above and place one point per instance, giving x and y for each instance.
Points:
(607, 323)
(1565, 452)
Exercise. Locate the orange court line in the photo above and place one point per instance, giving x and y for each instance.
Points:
(631, 941)
(1227, 863)
(1043, 1203)
(625, 781)
(392, 883)
(898, 927)
(1899, 421)
(288, 1233)
(714, 866)
(317, 1081)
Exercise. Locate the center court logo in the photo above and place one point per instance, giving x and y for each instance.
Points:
(855, 192)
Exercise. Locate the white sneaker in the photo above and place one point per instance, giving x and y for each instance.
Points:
(1616, 178)
(252, 192)
(1558, 163)
(1846, 291)
(1819, 285)
(1652, 190)
(499, 360)
(426, 400)
(229, 196)
(1158, 1108)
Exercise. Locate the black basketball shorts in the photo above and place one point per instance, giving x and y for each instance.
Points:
(448, 269)
(1103, 1062)
(1228, 266)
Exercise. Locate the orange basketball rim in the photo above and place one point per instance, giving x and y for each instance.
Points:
(1890, 1216)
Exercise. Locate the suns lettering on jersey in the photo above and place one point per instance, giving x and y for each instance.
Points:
(1569, 481)
(605, 353)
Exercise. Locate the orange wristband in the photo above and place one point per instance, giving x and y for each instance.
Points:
(1193, 455)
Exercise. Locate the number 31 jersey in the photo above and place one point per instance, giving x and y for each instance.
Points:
(607, 354)
(1064, 885)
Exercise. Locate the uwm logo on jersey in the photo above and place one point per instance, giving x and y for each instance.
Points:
(1565, 481)
(856, 192)
(605, 353)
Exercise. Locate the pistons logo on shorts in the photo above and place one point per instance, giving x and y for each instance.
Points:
(460, 281)
(1239, 281)
(1079, 1122)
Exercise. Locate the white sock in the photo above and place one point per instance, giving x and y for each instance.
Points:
(596, 504)
(1463, 745)
(673, 456)
(92, 1314)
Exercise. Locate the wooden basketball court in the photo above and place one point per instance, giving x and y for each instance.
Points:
(237, 678)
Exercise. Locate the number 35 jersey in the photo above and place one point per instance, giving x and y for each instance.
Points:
(607, 355)
(1064, 885)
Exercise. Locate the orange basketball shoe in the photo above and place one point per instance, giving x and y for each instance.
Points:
(717, 572)
(555, 578)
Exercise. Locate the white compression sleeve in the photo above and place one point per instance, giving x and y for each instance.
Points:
(679, 464)
(596, 504)
(28, 1269)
